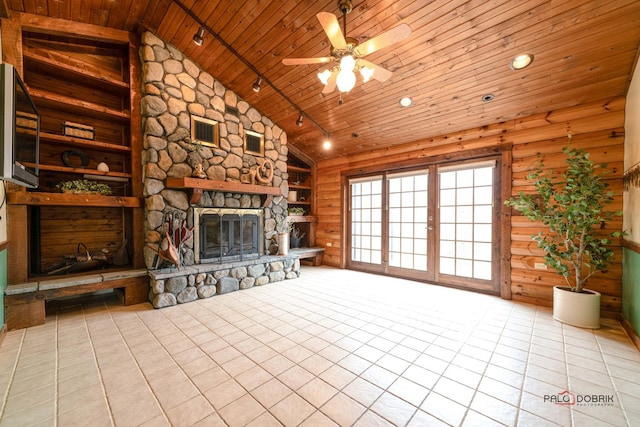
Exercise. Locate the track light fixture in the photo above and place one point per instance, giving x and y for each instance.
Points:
(256, 85)
(198, 38)
(299, 121)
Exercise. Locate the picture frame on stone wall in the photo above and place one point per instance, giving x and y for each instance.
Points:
(205, 131)
(253, 143)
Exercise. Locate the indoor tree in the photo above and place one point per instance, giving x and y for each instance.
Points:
(572, 206)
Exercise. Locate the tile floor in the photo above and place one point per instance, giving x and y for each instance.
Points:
(334, 347)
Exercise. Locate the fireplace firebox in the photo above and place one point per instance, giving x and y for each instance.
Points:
(227, 234)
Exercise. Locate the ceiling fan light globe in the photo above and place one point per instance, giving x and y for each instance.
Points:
(366, 73)
(346, 80)
(324, 76)
(347, 63)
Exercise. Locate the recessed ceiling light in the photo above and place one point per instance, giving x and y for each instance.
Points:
(521, 61)
(488, 97)
(326, 145)
(406, 102)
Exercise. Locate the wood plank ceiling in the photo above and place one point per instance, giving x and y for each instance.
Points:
(459, 51)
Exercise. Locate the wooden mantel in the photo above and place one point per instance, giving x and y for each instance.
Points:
(199, 185)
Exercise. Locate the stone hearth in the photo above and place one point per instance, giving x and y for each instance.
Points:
(171, 286)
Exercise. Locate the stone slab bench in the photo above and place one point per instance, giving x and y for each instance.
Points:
(24, 303)
(316, 254)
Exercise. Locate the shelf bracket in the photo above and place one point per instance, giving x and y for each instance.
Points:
(196, 194)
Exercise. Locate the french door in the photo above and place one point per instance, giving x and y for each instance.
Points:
(437, 224)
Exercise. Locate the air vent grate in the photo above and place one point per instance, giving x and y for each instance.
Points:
(204, 131)
(253, 143)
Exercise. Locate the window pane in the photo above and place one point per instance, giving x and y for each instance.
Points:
(448, 180)
(407, 215)
(466, 214)
(366, 226)
(447, 265)
(483, 195)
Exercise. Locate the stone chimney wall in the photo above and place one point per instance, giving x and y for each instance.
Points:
(173, 89)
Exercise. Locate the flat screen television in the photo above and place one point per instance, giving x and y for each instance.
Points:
(19, 130)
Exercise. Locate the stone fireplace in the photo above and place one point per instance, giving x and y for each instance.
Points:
(232, 246)
(223, 234)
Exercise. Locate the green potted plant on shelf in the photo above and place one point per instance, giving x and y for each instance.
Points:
(571, 205)
(296, 211)
(84, 186)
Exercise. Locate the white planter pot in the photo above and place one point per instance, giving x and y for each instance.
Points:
(283, 243)
(576, 309)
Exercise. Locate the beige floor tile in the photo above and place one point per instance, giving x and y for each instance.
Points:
(225, 393)
(379, 376)
(393, 409)
(94, 411)
(265, 420)
(190, 412)
(409, 391)
(241, 411)
(318, 419)
(371, 419)
(271, 392)
(277, 365)
(363, 391)
(238, 365)
(292, 410)
(209, 379)
(316, 364)
(317, 392)
(41, 412)
(295, 377)
(343, 410)
(253, 377)
(443, 409)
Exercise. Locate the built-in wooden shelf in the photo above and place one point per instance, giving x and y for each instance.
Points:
(299, 187)
(291, 168)
(302, 218)
(36, 62)
(54, 138)
(77, 106)
(306, 202)
(80, 171)
(60, 199)
(199, 185)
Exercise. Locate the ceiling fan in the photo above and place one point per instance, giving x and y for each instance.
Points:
(349, 53)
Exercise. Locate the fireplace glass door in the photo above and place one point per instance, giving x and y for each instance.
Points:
(225, 236)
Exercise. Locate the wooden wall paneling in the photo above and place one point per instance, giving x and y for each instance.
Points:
(595, 127)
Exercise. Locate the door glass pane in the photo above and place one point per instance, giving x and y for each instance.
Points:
(466, 214)
(366, 226)
(408, 199)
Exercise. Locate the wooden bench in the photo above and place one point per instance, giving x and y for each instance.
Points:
(24, 303)
(316, 254)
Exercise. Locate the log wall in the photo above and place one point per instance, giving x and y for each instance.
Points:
(596, 127)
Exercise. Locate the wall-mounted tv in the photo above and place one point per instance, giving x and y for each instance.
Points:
(19, 130)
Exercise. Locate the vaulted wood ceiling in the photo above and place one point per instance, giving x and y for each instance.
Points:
(459, 50)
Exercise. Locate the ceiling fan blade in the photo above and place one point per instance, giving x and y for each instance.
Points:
(331, 84)
(389, 37)
(331, 26)
(379, 73)
(304, 61)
